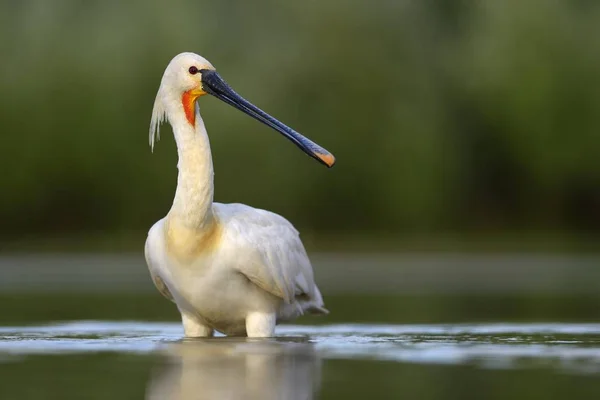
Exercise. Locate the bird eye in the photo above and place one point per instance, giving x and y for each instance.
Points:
(193, 70)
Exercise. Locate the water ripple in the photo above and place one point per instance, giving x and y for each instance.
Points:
(573, 347)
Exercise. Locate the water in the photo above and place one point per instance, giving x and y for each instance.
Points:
(427, 327)
(124, 359)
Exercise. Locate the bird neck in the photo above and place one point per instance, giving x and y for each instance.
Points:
(192, 205)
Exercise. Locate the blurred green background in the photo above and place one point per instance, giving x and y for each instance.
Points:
(455, 124)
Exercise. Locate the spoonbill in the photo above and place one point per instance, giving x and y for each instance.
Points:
(227, 267)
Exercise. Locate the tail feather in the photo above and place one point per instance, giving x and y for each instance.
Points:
(317, 310)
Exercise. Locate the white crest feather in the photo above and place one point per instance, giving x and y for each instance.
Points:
(159, 115)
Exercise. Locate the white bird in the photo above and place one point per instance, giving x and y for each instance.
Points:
(228, 267)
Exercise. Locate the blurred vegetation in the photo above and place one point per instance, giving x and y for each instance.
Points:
(471, 117)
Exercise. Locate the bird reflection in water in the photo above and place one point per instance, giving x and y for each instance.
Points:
(237, 368)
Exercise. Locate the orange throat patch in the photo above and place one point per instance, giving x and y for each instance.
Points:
(188, 100)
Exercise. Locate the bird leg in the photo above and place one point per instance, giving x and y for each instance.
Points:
(193, 327)
(260, 324)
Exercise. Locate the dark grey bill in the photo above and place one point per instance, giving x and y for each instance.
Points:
(213, 84)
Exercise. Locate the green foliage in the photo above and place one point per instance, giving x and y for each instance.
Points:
(444, 116)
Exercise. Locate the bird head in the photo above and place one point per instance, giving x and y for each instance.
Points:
(189, 76)
(183, 74)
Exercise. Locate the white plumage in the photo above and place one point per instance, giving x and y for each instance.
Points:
(227, 267)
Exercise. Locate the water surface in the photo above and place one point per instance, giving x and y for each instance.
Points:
(424, 326)
(117, 359)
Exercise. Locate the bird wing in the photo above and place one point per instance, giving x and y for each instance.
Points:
(267, 250)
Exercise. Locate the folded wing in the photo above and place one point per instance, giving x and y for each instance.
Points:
(268, 251)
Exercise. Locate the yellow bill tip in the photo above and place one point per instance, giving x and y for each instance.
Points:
(328, 159)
